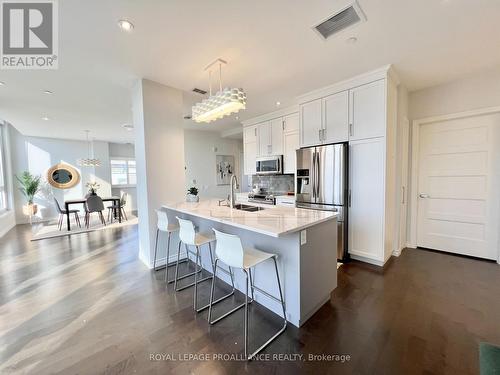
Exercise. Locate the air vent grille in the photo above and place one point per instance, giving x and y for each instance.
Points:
(340, 21)
(199, 91)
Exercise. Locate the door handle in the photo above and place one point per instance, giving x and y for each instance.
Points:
(423, 195)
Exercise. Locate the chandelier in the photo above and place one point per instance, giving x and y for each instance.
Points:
(90, 161)
(223, 103)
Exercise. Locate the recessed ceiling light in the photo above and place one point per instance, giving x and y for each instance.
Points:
(278, 104)
(237, 117)
(126, 25)
(2, 83)
(45, 118)
(48, 92)
(128, 127)
(352, 40)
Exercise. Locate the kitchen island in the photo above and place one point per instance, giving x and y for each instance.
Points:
(304, 240)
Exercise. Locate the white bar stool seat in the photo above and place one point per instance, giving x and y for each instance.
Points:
(189, 237)
(163, 225)
(230, 251)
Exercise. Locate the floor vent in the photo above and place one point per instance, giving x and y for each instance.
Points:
(341, 20)
(199, 91)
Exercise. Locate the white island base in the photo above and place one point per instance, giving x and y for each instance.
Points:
(304, 240)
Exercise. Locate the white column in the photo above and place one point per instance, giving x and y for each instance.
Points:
(159, 150)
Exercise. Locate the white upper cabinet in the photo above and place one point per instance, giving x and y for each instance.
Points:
(250, 148)
(291, 123)
(336, 118)
(368, 111)
(264, 133)
(277, 126)
(311, 123)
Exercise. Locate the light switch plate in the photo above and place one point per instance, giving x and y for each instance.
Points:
(303, 237)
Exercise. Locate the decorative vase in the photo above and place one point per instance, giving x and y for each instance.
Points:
(30, 209)
(192, 198)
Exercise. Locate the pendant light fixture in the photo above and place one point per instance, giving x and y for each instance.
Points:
(90, 161)
(223, 103)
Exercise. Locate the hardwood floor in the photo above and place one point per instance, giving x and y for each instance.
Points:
(86, 305)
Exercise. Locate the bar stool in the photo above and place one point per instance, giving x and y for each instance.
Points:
(230, 251)
(189, 237)
(162, 225)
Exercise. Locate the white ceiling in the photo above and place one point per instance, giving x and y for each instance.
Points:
(272, 53)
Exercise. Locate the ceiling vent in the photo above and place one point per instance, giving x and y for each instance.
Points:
(341, 20)
(199, 91)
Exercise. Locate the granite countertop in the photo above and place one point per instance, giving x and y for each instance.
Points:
(274, 221)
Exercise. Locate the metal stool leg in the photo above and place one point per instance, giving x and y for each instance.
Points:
(187, 275)
(167, 256)
(246, 314)
(281, 300)
(156, 249)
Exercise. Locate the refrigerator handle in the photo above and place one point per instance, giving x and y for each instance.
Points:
(318, 170)
(313, 175)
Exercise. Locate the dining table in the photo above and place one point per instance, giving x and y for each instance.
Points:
(116, 202)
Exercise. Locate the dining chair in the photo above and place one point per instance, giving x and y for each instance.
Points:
(121, 207)
(63, 212)
(94, 204)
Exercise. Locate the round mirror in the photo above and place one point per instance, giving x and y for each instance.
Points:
(63, 176)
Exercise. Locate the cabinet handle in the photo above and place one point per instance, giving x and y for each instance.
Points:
(402, 194)
(349, 198)
(255, 131)
(350, 129)
(323, 134)
(283, 124)
(319, 134)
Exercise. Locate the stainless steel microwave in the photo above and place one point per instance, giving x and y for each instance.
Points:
(269, 165)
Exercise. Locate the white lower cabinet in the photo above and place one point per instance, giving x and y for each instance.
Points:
(366, 198)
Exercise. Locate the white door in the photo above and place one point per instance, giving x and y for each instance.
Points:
(290, 145)
(367, 109)
(277, 136)
(264, 134)
(311, 123)
(336, 117)
(366, 200)
(458, 189)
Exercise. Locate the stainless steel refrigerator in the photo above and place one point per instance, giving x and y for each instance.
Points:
(322, 184)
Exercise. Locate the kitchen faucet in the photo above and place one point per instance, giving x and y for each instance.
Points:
(234, 185)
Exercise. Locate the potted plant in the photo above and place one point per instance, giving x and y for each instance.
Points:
(93, 187)
(29, 186)
(192, 195)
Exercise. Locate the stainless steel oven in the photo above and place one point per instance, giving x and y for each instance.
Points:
(269, 165)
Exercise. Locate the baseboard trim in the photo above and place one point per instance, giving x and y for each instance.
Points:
(375, 262)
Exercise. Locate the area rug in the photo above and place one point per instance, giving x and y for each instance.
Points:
(51, 230)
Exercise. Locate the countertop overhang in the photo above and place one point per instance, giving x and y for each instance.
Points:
(274, 221)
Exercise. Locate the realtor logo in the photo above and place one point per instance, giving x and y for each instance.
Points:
(29, 34)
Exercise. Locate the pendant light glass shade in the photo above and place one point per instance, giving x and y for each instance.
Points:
(217, 106)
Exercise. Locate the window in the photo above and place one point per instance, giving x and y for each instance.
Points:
(123, 172)
(3, 192)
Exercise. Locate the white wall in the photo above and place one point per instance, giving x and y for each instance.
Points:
(159, 149)
(200, 159)
(37, 155)
(124, 150)
(480, 90)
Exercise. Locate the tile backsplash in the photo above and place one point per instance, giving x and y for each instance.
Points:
(275, 184)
